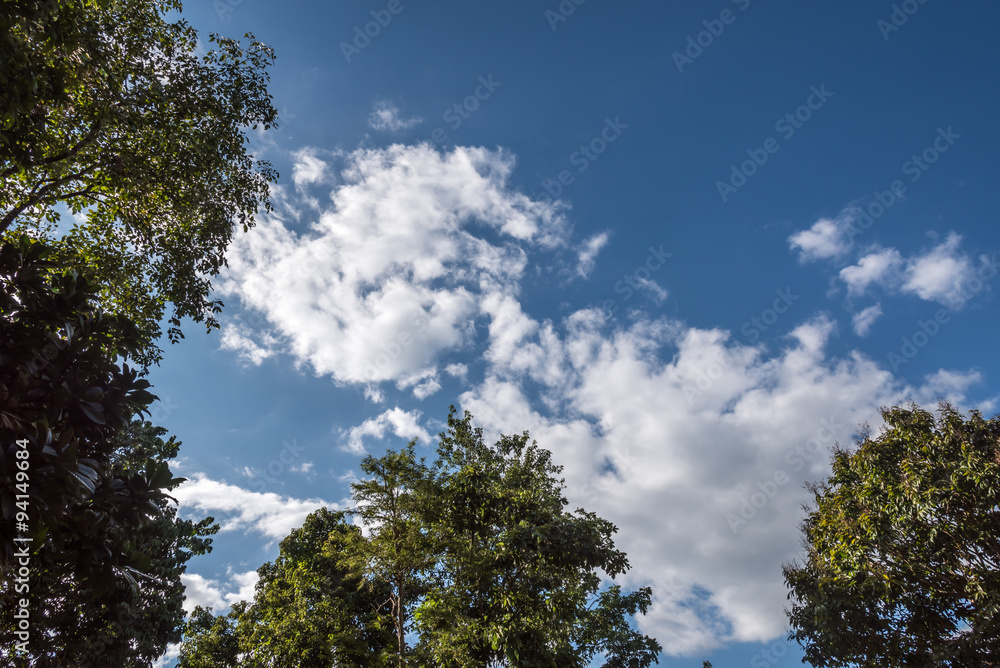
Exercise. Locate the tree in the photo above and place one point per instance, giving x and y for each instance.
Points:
(398, 554)
(64, 396)
(106, 109)
(307, 611)
(470, 562)
(83, 482)
(128, 626)
(517, 579)
(903, 548)
(212, 641)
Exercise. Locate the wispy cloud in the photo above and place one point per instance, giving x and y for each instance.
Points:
(865, 319)
(385, 118)
(238, 509)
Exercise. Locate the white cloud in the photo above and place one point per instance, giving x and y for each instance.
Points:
(827, 238)
(246, 584)
(308, 169)
(385, 117)
(864, 320)
(199, 590)
(169, 657)
(388, 279)
(952, 386)
(304, 467)
(238, 509)
(236, 337)
(588, 253)
(663, 429)
(881, 267)
(457, 370)
(940, 274)
(426, 388)
(668, 450)
(402, 423)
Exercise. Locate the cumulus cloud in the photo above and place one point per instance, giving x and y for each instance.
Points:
(200, 591)
(385, 117)
(389, 277)
(864, 320)
(237, 338)
(238, 509)
(404, 424)
(827, 238)
(457, 370)
(207, 593)
(882, 267)
(672, 445)
(939, 274)
(669, 431)
(308, 169)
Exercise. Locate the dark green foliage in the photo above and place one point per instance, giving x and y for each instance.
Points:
(903, 561)
(107, 549)
(63, 389)
(75, 624)
(106, 108)
(399, 554)
(212, 641)
(307, 612)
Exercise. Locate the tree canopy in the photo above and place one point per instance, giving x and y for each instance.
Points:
(64, 390)
(82, 476)
(903, 548)
(74, 623)
(107, 110)
(518, 580)
(472, 561)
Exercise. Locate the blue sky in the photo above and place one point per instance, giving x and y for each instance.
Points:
(686, 245)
